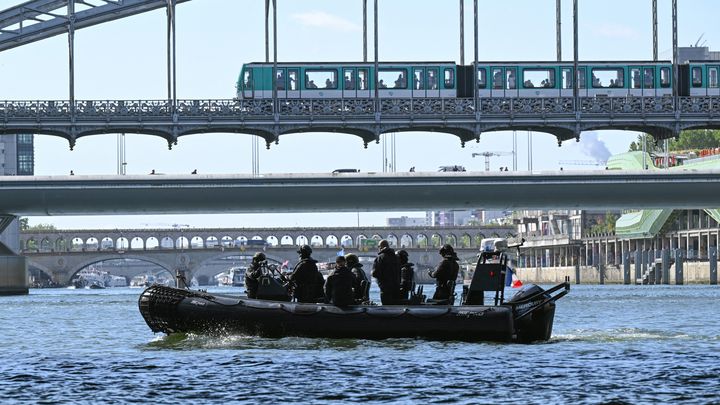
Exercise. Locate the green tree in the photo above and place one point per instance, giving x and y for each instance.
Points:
(24, 225)
(41, 227)
(696, 139)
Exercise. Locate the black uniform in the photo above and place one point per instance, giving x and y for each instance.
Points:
(252, 279)
(338, 287)
(386, 270)
(358, 277)
(407, 277)
(306, 277)
(447, 270)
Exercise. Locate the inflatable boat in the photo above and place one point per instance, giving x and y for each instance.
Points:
(526, 317)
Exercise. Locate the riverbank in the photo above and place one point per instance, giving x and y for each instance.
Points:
(692, 273)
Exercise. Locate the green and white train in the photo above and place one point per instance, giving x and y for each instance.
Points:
(346, 80)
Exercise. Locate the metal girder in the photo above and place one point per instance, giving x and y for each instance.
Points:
(39, 19)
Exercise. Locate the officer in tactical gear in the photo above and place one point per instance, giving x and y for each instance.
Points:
(407, 274)
(307, 278)
(253, 274)
(338, 287)
(386, 270)
(360, 279)
(446, 271)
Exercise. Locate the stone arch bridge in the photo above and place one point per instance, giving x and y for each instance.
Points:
(203, 253)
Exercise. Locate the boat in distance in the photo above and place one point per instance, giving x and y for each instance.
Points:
(527, 317)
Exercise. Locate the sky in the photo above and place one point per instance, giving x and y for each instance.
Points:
(125, 59)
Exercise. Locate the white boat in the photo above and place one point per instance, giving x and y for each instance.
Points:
(235, 277)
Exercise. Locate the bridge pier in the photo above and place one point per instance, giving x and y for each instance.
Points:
(13, 267)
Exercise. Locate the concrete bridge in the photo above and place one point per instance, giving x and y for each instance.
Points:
(203, 253)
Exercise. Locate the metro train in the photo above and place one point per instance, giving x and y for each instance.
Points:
(346, 80)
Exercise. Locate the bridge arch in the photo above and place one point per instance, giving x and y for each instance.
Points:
(71, 272)
(211, 242)
(331, 241)
(107, 243)
(436, 240)
(46, 245)
(422, 240)
(392, 240)
(182, 243)
(301, 240)
(346, 241)
(122, 243)
(92, 243)
(286, 240)
(137, 243)
(152, 243)
(167, 243)
(451, 240)
(406, 241)
(316, 241)
(272, 241)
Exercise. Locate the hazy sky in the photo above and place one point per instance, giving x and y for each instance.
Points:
(125, 59)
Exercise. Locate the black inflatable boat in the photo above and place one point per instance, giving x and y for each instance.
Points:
(526, 317)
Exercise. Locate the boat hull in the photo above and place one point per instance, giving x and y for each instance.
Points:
(171, 310)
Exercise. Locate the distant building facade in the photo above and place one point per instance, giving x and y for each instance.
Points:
(406, 221)
(17, 158)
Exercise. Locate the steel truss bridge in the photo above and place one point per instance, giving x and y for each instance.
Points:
(662, 117)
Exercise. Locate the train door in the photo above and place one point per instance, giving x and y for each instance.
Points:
(713, 88)
(248, 84)
(511, 82)
(280, 83)
(696, 81)
(483, 88)
(497, 88)
(433, 83)
(665, 81)
(349, 83)
(418, 83)
(642, 81)
(566, 84)
(293, 83)
(363, 82)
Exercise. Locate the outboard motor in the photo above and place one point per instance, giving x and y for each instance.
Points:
(533, 313)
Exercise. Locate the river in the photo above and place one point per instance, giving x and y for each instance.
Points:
(613, 343)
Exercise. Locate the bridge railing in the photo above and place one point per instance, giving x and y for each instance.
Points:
(262, 109)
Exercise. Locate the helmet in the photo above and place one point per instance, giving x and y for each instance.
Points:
(352, 259)
(259, 257)
(305, 250)
(402, 255)
(446, 249)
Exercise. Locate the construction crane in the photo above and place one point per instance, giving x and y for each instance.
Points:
(490, 154)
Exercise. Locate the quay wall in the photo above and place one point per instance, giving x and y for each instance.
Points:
(693, 273)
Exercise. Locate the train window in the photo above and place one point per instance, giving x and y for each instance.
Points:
(635, 78)
(511, 78)
(247, 80)
(321, 79)
(432, 81)
(418, 79)
(449, 78)
(481, 78)
(713, 77)
(362, 79)
(349, 79)
(280, 79)
(607, 77)
(648, 78)
(566, 79)
(293, 79)
(392, 79)
(497, 78)
(665, 77)
(696, 77)
(538, 78)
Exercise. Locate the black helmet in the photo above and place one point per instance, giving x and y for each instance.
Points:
(403, 256)
(305, 250)
(352, 259)
(446, 249)
(259, 257)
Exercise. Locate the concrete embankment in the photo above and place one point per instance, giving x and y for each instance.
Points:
(692, 273)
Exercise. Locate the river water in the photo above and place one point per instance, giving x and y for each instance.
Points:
(621, 344)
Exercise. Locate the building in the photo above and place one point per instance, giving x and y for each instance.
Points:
(17, 158)
(406, 221)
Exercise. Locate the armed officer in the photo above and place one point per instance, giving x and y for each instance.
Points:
(446, 271)
(307, 278)
(407, 274)
(338, 287)
(253, 274)
(386, 270)
(360, 279)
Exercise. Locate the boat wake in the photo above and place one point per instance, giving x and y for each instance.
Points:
(621, 335)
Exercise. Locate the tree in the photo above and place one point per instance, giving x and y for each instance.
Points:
(24, 225)
(41, 227)
(696, 139)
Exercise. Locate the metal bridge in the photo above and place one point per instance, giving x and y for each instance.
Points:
(564, 117)
(663, 117)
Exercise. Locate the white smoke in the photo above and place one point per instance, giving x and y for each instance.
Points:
(590, 145)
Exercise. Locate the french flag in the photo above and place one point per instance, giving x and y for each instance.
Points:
(512, 280)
